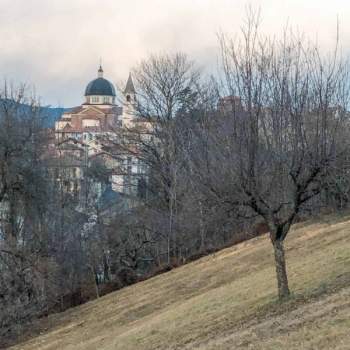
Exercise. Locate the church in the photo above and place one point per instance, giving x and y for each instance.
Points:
(99, 113)
(92, 131)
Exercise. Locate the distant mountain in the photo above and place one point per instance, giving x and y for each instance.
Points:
(51, 114)
(48, 114)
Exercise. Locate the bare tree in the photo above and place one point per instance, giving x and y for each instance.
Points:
(165, 85)
(23, 192)
(278, 132)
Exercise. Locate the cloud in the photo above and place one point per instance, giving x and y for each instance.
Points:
(56, 45)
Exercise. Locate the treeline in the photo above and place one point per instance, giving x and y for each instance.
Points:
(265, 145)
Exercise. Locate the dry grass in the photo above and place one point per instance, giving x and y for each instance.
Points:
(225, 301)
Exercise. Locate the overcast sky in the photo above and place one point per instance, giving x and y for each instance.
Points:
(55, 45)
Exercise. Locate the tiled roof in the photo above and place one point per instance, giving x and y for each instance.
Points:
(74, 110)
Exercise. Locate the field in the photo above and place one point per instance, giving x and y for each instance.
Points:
(225, 301)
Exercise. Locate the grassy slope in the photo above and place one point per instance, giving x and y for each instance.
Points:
(225, 301)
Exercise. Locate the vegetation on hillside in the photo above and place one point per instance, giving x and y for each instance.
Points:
(223, 301)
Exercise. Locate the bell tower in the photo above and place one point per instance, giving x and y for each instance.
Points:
(129, 111)
(129, 92)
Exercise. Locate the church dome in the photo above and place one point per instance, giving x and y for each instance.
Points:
(100, 86)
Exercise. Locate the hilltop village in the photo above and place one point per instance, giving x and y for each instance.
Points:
(93, 134)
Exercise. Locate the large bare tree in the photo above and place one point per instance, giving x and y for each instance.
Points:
(166, 86)
(278, 132)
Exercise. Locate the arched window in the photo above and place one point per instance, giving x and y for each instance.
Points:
(128, 98)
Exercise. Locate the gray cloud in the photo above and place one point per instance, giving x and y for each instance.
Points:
(56, 45)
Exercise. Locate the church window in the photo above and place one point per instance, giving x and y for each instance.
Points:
(128, 98)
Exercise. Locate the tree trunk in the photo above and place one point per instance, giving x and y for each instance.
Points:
(94, 278)
(201, 228)
(281, 271)
(170, 233)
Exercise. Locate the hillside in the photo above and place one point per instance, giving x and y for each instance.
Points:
(51, 114)
(225, 301)
(48, 114)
